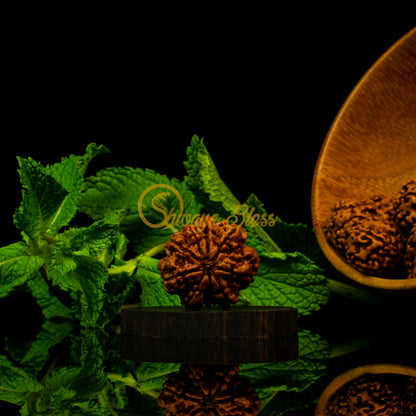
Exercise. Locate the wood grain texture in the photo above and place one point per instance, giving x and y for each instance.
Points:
(370, 147)
(355, 373)
(176, 334)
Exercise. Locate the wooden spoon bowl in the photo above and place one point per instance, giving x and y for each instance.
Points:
(370, 148)
(349, 376)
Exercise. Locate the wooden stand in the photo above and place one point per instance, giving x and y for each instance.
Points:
(210, 336)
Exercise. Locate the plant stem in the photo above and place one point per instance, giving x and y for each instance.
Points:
(128, 381)
(108, 404)
(154, 394)
(155, 250)
(354, 293)
(354, 345)
(130, 266)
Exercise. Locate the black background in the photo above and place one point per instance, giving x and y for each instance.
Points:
(262, 87)
(262, 90)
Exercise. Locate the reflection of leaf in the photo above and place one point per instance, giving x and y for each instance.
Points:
(36, 355)
(69, 388)
(151, 376)
(49, 304)
(296, 376)
(16, 383)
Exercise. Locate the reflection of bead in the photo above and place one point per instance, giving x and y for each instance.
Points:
(208, 390)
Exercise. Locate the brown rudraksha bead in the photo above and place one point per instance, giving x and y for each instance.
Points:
(374, 247)
(208, 390)
(346, 214)
(208, 262)
(409, 258)
(405, 207)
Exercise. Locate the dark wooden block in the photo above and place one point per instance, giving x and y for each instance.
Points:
(211, 336)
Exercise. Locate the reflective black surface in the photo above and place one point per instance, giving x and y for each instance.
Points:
(81, 370)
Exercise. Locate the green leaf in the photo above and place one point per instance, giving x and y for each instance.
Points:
(90, 379)
(288, 279)
(84, 279)
(118, 288)
(63, 170)
(16, 267)
(153, 290)
(119, 190)
(50, 194)
(68, 389)
(151, 376)
(43, 201)
(290, 237)
(58, 384)
(51, 334)
(142, 237)
(69, 174)
(50, 305)
(204, 180)
(15, 383)
(87, 241)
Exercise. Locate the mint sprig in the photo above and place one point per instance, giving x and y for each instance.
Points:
(80, 264)
(81, 275)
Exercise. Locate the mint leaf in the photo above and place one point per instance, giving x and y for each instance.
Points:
(50, 194)
(151, 376)
(288, 279)
(16, 267)
(15, 383)
(69, 174)
(119, 189)
(75, 267)
(43, 200)
(290, 237)
(153, 290)
(63, 171)
(118, 289)
(49, 304)
(84, 279)
(141, 237)
(204, 180)
(87, 241)
(68, 389)
(114, 194)
(87, 350)
(51, 334)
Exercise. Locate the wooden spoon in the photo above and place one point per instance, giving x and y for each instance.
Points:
(355, 373)
(370, 148)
